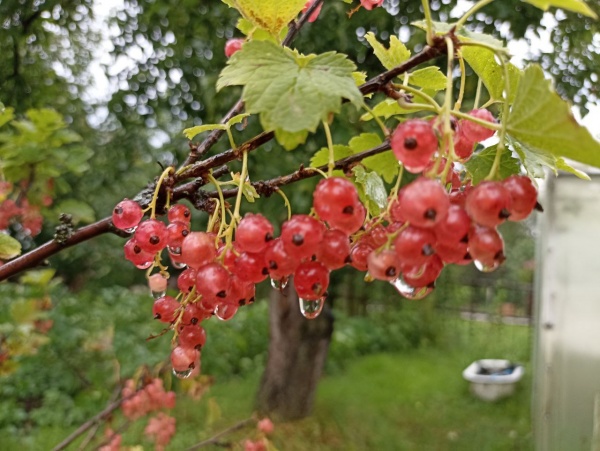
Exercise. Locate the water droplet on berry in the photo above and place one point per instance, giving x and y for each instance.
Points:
(408, 291)
(174, 250)
(311, 309)
(158, 294)
(279, 284)
(144, 265)
(183, 374)
(130, 229)
(225, 311)
(486, 268)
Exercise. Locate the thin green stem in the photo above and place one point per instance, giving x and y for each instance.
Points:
(382, 126)
(447, 142)
(463, 79)
(240, 194)
(430, 100)
(286, 201)
(502, 133)
(486, 124)
(163, 176)
(476, 7)
(221, 204)
(478, 93)
(231, 140)
(427, 13)
(331, 163)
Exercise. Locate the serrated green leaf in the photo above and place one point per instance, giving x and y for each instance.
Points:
(270, 15)
(9, 247)
(429, 78)
(40, 277)
(290, 91)
(564, 166)
(359, 77)
(540, 119)
(373, 188)
(290, 141)
(191, 132)
(463, 34)
(244, 25)
(483, 62)
(577, 6)
(385, 164)
(236, 119)
(396, 54)
(81, 211)
(481, 163)
(386, 109)
(321, 157)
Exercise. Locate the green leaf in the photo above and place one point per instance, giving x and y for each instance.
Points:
(371, 185)
(564, 166)
(290, 91)
(321, 157)
(24, 311)
(483, 62)
(244, 25)
(359, 77)
(463, 34)
(80, 210)
(9, 247)
(386, 109)
(40, 277)
(392, 57)
(541, 120)
(577, 6)
(270, 15)
(6, 115)
(535, 160)
(191, 132)
(428, 78)
(481, 163)
(236, 119)
(250, 193)
(289, 140)
(385, 164)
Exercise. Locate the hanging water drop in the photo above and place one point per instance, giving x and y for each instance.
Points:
(175, 255)
(408, 291)
(183, 374)
(311, 309)
(279, 284)
(145, 265)
(130, 230)
(486, 268)
(225, 311)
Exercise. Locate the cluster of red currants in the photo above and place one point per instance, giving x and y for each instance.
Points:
(427, 225)
(264, 428)
(150, 398)
(21, 211)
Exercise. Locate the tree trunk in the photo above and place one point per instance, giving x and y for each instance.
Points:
(297, 353)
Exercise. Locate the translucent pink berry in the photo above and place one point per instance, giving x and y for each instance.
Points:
(127, 214)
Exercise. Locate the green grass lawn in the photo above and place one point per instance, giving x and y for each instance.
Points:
(410, 401)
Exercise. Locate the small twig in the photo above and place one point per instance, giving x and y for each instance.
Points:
(91, 423)
(215, 439)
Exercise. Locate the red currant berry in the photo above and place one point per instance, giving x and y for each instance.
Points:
(383, 265)
(486, 246)
(253, 233)
(179, 212)
(334, 249)
(198, 248)
(165, 309)
(523, 196)
(213, 282)
(359, 256)
(413, 143)
(489, 204)
(177, 231)
(251, 267)
(423, 275)
(151, 235)
(424, 202)
(127, 214)
(280, 263)
(414, 245)
(233, 45)
(454, 226)
(136, 255)
(315, 14)
(334, 196)
(191, 336)
(474, 132)
(184, 359)
(301, 235)
(350, 223)
(311, 280)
